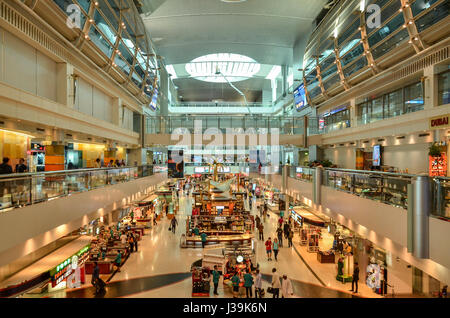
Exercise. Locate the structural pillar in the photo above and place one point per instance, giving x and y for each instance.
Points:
(420, 218)
(317, 186)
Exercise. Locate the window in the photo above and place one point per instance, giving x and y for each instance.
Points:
(444, 88)
(326, 63)
(377, 108)
(100, 41)
(337, 120)
(349, 31)
(434, 16)
(84, 4)
(413, 97)
(355, 67)
(315, 92)
(386, 14)
(352, 55)
(332, 81)
(311, 77)
(384, 31)
(421, 5)
(329, 72)
(390, 44)
(393, 104)
(354, 40)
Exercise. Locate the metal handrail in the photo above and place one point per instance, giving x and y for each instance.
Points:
(41, 173)
(368, 172)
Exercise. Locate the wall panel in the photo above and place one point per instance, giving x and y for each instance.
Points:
(46, 76)
(20, 63)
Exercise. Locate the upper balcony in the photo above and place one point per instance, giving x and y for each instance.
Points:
(23, 189)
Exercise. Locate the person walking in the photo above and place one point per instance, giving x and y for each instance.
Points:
(280, 221)
(131, 243)
(118, 261)
(98, 163)
(269, 249)
(275, 248)
(235, 280)
(257, 221)
(248, 284)
(280, 236)
(286, 230)
(95, 275)
(286, 288)
(123, 238)
(135, 241)
(258, 284)
(203, 237)
(276, 284)
(173, 224)
(261, 231)
(355, 278)
(216, 278)
(291, 236)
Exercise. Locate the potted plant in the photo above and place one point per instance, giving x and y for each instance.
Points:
(434, 150)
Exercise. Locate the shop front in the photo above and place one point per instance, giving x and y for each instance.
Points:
(71, 272)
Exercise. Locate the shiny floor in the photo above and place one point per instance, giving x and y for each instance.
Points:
(161, 267)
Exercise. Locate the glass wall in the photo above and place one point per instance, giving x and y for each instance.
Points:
(405, 100)
(343, 23)
(333, 120)
(444, 88)
(132, 53)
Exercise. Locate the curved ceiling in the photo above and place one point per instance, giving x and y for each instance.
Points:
(265, 30)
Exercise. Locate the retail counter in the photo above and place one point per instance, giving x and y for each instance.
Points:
(193, 241)
(104, 265)
(325, 258)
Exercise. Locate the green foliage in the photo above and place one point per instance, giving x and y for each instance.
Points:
(434, 150)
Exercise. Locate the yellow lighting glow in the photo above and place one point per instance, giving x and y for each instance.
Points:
(17, 133)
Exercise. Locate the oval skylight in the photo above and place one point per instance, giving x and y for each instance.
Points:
(214, 67)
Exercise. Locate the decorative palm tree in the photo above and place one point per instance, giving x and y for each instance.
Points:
(215, 165)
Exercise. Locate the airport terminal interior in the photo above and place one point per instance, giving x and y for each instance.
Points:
(224, 149)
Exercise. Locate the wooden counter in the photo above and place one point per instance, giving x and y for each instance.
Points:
(105, 266)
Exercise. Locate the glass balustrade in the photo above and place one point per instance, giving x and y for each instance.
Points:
(383, 187)
(239, 124)
(301, 173)
(17, 190)
(441, 197)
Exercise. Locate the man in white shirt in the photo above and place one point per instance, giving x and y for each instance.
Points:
(123, 238)
(276, 284)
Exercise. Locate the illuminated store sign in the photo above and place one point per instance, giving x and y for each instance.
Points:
(66, 268)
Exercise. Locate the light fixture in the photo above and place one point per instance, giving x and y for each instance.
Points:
(234, 67)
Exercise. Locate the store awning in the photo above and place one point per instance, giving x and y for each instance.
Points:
(308, 217)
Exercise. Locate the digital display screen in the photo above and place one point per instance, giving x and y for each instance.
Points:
(300, 97)
(376, 155)
(154, 102)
